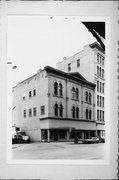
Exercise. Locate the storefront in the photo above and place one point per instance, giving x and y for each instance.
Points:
(65, 134)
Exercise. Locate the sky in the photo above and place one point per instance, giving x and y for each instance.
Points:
(34, 42)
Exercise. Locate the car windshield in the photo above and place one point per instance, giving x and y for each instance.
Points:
(22, 133)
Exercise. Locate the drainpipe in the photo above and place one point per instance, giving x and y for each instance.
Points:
(66, 98)
(68, 132)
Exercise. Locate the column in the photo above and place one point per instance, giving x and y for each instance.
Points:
(48, 135)
(68, 135)
(95, 133)
(89, 134)
(82, 135)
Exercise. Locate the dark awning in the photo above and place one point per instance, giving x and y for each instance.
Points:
(97, 29)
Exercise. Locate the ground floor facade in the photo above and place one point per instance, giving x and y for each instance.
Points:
(51, 130)
(65, 134)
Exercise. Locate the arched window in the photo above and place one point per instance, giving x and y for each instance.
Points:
(86, 113)
(60, 89)
(56, 109)
(86, 96)
(100, 72)
(77, 112)
(90, 114)
(89, 97)
(77, 93)
(73, 112)
(61, 110)
(73, 92)
(56, 88)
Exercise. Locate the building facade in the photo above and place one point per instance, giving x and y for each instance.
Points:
(54, 105)
(90, 63)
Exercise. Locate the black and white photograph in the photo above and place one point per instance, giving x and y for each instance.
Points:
(58, 92)
(58, 87)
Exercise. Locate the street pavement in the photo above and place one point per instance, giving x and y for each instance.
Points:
(58, 150)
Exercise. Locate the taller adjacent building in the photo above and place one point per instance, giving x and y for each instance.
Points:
(90, 62)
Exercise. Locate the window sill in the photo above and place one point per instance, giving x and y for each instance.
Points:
(75, 99)
(57, 96)
(88, 103)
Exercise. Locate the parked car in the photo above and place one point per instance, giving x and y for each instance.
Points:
(20, 137)
(91, 140)
(76, 140)
(102, 140)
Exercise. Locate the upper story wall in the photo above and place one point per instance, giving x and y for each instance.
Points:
(29, 94)
(68, 100)
(84, 62)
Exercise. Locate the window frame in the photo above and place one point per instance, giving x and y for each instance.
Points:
(73, 112)
(30, 112)
(90, 114)
(34, 92)
(78, 62)
(24, 113)
(34, 111)
(56, 88)
(30, 94)
(56, 109)
(69, 67)
(77, 112)
(60, 89)
(77, 93)
(90, 97)
(86, 112)
(86, 96)
(61, 110)
(42, 110)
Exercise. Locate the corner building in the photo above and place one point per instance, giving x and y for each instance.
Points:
(53, 105)
(90, 63)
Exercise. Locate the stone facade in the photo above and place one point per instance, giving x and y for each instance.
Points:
(54, 105)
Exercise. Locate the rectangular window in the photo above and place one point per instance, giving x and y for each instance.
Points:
(30, 112)
(97, 70)
(42, 110)
(103, 102)
(29, 93)
(34, 111)
(98, 58)
(23, 97)
(34, 92)
(102, 87)
(24, 113)
(100, 101)
(69, 67)
(78, 62)
(98, 86)
(103, 61)
(97, 100)
(103, 73)
(100, 116)
(97, 115)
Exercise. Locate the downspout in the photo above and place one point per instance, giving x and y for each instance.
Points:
(66, 98)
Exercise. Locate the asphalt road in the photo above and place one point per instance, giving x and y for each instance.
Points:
(58, 150)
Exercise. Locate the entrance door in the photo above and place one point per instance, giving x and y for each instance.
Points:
(55, 136)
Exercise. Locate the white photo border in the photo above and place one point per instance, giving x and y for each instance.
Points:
(106, 169)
